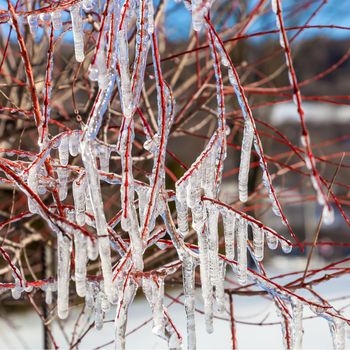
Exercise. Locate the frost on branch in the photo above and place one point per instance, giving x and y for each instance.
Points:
(107, 213)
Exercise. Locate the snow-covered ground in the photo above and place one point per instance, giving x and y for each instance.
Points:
(23, 330)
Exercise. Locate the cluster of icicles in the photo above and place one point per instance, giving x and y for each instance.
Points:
(196, 192)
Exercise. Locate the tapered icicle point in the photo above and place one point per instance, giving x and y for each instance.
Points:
(63, 275)
(78, 34)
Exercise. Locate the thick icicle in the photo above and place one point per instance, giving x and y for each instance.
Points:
(79, 188)
(33, 183)
(63, 275)
(258, 242)
(272, 240)
(80, 242)
(229, 222)
(78, 33)
(63, 150)
(242, 228)
(74, 143)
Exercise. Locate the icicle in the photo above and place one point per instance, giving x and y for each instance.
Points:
(78, 34)
(244, 166)
(33, 24)
(89, 296)
(272, 240)
(104, 154)
(92, 249)
(45, 17)
(274, 5)
(286, 246)
(198, 12)
(18, 289)
(48, 294)
(158, 315)
(79, 189)
(337, 328)
(258, 242)
(214, 267)
(229, 222)
(63, 152)
(328, 215)
(125, 300)
(297, 330)
(125, 84)
(188, 273)
(33, 182)
(80, 245)
(56, 20)
(220, 286)
(62, 174)
(74, 144)
(182, 217)
(242, 250)
(63, 272)
(98, 311)
(207, 288)
(80, 242)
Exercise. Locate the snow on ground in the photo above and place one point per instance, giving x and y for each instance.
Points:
(23, 330)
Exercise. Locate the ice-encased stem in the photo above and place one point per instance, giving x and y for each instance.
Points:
(63, 272)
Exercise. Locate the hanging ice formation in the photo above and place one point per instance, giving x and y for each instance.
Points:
(196, 193)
